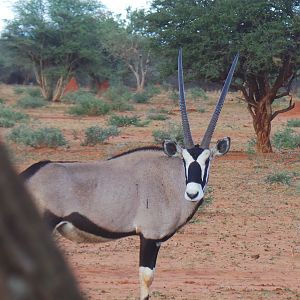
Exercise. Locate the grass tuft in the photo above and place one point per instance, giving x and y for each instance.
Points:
(42, 137)
(280, 177)
(173, 132)
(31, 102)
(293, 123)
(286, 139)
(90, 106)
(97, 135)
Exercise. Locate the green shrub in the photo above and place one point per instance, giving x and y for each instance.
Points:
(95, 135)
(90, 106)
(141, 97)
(6, 123)
(152, 90)
(293, 123)
(42, 137)
(122, 121)
(34, 92)
(201, 110)
(118, 93)
(174, 95)
(286, 139)
(197, 92)
(121, 105)
(280, 177)
(31, 102)
(7, 113)
(19, 90)
(74, 97)
(173, 132)
(251, 146)
(2, 101)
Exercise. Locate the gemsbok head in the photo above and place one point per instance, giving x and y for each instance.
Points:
(141, 192)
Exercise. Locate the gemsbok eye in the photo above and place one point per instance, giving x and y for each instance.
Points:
(141, 192)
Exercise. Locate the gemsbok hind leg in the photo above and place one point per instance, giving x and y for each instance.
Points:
(148, 254)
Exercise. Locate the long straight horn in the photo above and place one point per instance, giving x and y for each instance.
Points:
(214, 119)
(188, 140)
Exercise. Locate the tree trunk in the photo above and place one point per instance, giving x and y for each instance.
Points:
(262, 117)
(31, 267)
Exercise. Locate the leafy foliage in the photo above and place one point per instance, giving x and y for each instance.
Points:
(90, 106)
(96, 134)
(31, 102)
(172, 132)
(9, 117)
(286, 139)
(55, 37)
(122, 121)
(117, 93)
(41, 137)
(280, 177)
(265, 33)
(293, 123)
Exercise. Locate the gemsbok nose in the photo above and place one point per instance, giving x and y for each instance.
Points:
(193, 196)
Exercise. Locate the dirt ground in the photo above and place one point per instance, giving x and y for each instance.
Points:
(244, 243)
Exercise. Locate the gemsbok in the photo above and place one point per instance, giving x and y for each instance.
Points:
(150, 192)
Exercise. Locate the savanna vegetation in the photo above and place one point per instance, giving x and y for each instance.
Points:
(127, 98)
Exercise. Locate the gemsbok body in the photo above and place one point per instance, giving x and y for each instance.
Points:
(150, 192)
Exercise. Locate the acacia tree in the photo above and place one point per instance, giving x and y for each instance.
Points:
(124, 43)
(56, 37)
(265, 32)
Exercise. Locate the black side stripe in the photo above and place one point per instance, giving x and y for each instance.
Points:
(86, 225)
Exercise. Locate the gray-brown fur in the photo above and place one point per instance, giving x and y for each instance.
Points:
(141, 191)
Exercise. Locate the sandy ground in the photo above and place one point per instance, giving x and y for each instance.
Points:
(244, 243)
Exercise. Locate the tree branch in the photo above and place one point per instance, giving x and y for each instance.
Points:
(280, 111)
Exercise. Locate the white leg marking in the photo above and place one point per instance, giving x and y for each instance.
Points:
(146, 279)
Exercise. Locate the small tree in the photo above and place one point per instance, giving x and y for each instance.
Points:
(266, 33)
(132, 48)
(56, 37)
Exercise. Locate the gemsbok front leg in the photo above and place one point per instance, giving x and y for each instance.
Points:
(148, 255)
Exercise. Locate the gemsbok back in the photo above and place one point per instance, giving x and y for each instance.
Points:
(150, 192)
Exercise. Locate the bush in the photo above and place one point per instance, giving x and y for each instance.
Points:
(174, 95)
(173, 132)
(6, 123)
(141, 97)
(31, 102)
(14, 116)
(42, 137)
(19, 90)
(121, 105)
(152, 90)
(281, 177)
(90, 106)
(95, 135)
(75, 97)
(34, 92)
(293, 123)
(197, 92)
(286, 139)
(122, 121)
(251, 146)
(118, 93)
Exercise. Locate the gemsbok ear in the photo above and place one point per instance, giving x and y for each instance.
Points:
(171, 148)
(222, 147)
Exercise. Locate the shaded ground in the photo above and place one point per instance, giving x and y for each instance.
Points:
(244, 243)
